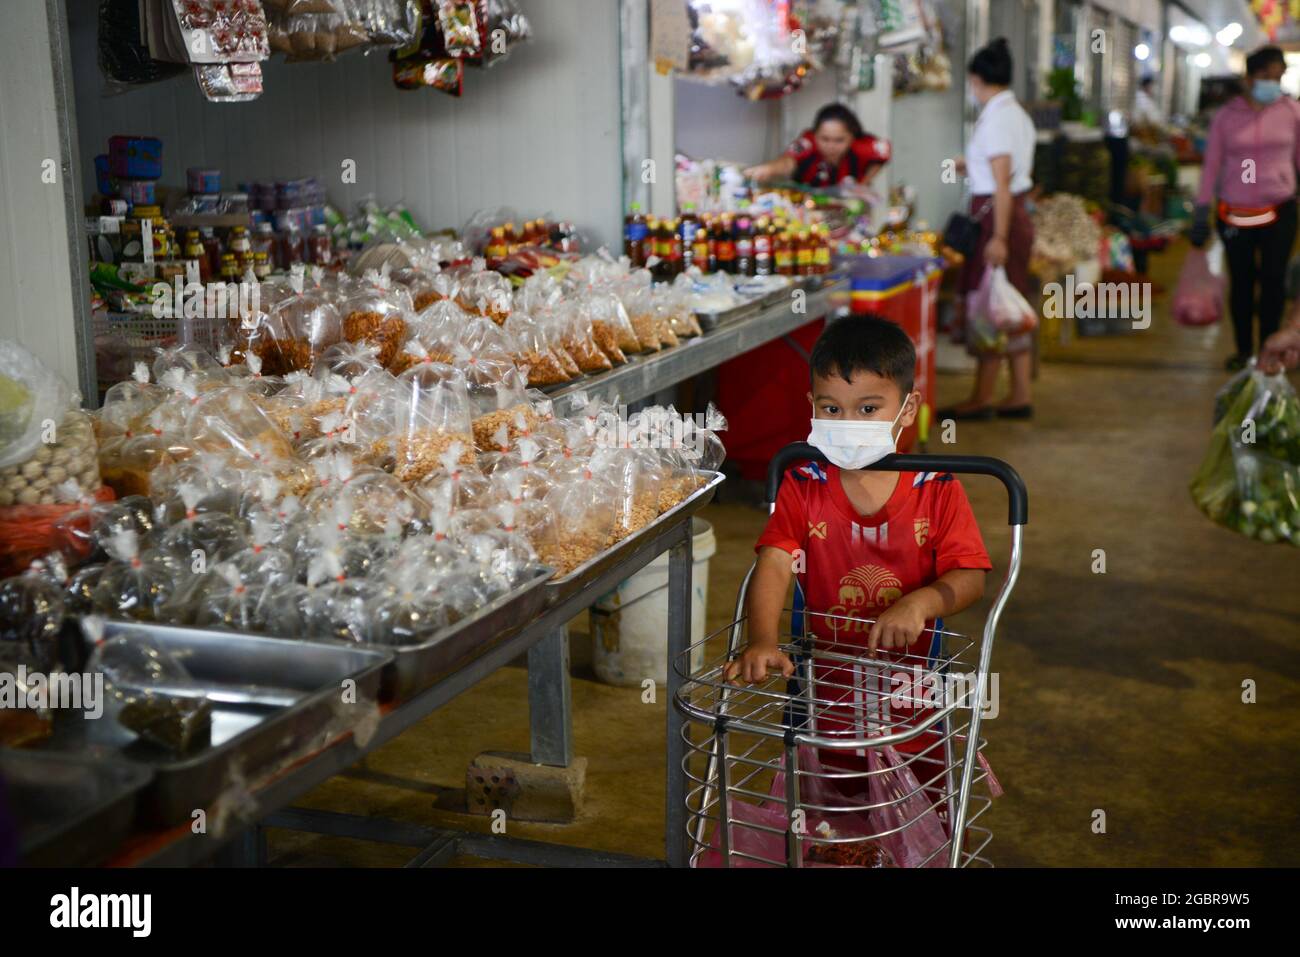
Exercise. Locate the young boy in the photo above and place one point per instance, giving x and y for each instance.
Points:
(898, 548)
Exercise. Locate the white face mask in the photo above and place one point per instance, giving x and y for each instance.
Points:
(854, 445)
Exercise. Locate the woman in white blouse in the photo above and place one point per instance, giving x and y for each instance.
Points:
(999, 162)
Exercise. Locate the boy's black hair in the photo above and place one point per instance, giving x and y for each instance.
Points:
(865, 344)
(992, 63)
(1262, 59)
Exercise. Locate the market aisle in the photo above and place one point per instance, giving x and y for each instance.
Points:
(1119, 692)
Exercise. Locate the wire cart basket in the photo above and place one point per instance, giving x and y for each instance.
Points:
(855, 760)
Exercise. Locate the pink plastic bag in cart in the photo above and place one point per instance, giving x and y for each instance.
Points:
(907, 807)
(1198, 298)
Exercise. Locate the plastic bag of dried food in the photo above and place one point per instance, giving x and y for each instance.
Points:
(606, 311)
(308, 317)
(349, 360)
(200, 483)
(583, 502)
(127, 405)
(127, 462)
(536, 357)
(151, 691)
(202, 539)
(247, 375)
(419, 283)
(231, 601)
(378, 314)
(32, 610)
(487, 293)
(196, 363)
(406, 609)
(133, 512)
(677, 298)
(509, 410)
(31, 397)
(501, 556)
(136, 584)
(229, 422)
(440, 323)
(486, 353)
(415, 351)
(434, 410)
(263, 560)
(68, 452)
(374, 501)
(454, 485)
(638, 300)
(338, 437)
(577, 336)
(638, 476)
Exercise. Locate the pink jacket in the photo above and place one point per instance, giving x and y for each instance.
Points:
(1270, 137)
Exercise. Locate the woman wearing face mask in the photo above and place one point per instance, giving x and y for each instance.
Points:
(836, 151)
(1250, 168)
(999, 162)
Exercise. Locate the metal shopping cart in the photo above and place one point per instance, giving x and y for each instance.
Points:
(824, 768)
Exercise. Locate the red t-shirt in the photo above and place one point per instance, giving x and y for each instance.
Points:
(858, 565)
(811, 168)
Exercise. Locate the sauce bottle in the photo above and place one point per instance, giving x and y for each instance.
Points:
(496, 247)
(821, 262)
(635, 231)
(726, 245)
(764, 236)
(744, 245)
(690, 225)
(194, 250)
(672, 230)
(700, 251)
(229, 267)
(783, 254)
(803, 254)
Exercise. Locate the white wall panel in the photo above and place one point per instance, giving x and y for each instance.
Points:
(35, 272)
(538, 132)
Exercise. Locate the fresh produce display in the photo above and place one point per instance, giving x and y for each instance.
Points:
(1250, 477)
(1065, 233)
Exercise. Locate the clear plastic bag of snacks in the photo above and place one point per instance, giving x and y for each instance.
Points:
(664, 310)
(488, 294)
(638, 300)
(609, 316)
(79, 589)
(523, 523)
(32, 611)
(297, 330)
(434, 411)
(455, 485)
(263, 561)
(349, 360)
(127, 405)
(416, 351)
(378, 314)
(192, 361)
(231, 423)
(485, 353)
(406, 609)
(638, 476)
(439, 322)
(501, 556)
(684, 321)
(152, 693)
(228, 600)
(127, 462)
(583, 503)
(247, 375)
(373, 500)
(511, 411)
(139, 584)
(542, 364)
(197, 484)
(419, 283)
(327, 547)
(577, 336)
(132, 512)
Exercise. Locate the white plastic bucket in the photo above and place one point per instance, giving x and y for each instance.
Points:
(629, 626)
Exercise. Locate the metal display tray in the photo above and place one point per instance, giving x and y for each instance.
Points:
(416, 667)
(247, 739)
(70, 810)
(711, 320)
(561, 588)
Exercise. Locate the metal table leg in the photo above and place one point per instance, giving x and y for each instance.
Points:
(679, 639)
(550, 717)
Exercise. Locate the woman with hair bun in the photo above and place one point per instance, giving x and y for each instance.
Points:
(999, 162)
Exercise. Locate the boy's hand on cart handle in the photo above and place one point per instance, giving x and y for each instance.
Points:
(899, 625)
(756, 662)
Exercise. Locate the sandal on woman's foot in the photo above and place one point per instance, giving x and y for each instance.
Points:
(1015, 411)
(968, 414)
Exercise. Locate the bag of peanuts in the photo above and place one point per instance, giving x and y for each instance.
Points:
(196, 364)
(230, 423)
(433, 411)
(684, 321)
(379, 314)
(583, 503)
(455, 486)
(638, 300)
(577, 336)
(486, 293)
(247, 375)
(536, 358)
(608, 315)
(349, 359)
(419, 282)
(372, 499)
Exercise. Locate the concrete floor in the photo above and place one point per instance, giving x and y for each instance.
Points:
(1119, 692)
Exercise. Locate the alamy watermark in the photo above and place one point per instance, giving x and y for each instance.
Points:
(36, 691)
(1098, 300)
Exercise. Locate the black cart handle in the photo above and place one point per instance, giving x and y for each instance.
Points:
(1017, 497)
